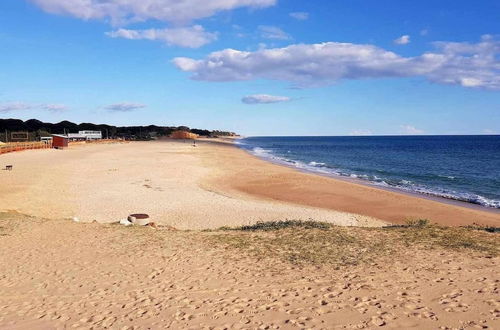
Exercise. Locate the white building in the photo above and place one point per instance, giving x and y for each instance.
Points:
(86, 135)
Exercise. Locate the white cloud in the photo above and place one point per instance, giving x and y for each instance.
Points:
(410, 130)
(14, 106)
(124, 107)
(54, 107)
(20, 106)
(424, 32)
(361, 132)
(273, 32)
(264, 99)
(403, 40)
(192, 37)
(300, 15)
(304, 64)
(472, 65)
(120, 12)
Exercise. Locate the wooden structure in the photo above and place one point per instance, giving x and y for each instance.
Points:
(20, 146)
(59, 141)
(19, 137)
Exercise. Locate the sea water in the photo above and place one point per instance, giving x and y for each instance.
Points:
(464, 168)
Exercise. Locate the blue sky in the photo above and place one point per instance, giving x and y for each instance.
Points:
(295, 67)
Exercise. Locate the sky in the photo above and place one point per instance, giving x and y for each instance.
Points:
(256, 67)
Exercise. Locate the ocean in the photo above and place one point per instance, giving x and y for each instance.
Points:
(463, 168)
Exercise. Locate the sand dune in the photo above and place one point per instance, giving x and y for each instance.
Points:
(63, 275)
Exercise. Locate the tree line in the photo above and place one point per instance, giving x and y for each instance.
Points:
(37, 129)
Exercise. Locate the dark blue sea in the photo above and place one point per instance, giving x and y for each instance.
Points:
(464, 168)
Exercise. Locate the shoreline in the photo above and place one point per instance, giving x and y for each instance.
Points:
(428, 196)
(327, 194)
(367, 183)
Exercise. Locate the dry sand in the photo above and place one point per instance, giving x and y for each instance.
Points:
(168, 180)
(208, 186)
(58, 274)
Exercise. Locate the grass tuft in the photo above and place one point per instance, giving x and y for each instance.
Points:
(310, 242)
(418, 223)
(278, 225)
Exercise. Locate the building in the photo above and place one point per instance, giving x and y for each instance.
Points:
(59, 141)
(85, 135)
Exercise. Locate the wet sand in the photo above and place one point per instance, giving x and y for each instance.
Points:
(242, 172)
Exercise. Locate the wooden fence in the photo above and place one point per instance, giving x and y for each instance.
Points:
(20, 146)
(100, 141)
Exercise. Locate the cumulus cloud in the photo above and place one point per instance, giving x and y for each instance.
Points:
(120, 12)
(264, 99)
(361, 132)
(124, 107)
(410, 130)
(300, 15)
(472, 65)
(403, 40)
(273, 32)
(192, 37)
(20, 106)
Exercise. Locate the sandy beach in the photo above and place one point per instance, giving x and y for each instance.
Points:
(208, 186)
(173, 182)
(57, 273)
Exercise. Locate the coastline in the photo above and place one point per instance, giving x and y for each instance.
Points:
(431, 197)
(289, 184)
(209, 186)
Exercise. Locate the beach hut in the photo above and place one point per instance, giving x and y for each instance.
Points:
(59, 141)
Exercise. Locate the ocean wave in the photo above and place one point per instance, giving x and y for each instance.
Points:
(453, 195)
(317, 164)
(404, 185)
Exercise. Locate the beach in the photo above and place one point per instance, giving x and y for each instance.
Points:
(208, 186)
(67, 264)
(57, 274)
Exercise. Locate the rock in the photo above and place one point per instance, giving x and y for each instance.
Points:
(125, 222)
(378, 321)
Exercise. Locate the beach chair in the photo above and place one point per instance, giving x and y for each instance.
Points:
(8, 168)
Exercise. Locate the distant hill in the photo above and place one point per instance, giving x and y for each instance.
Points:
(37, 128)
